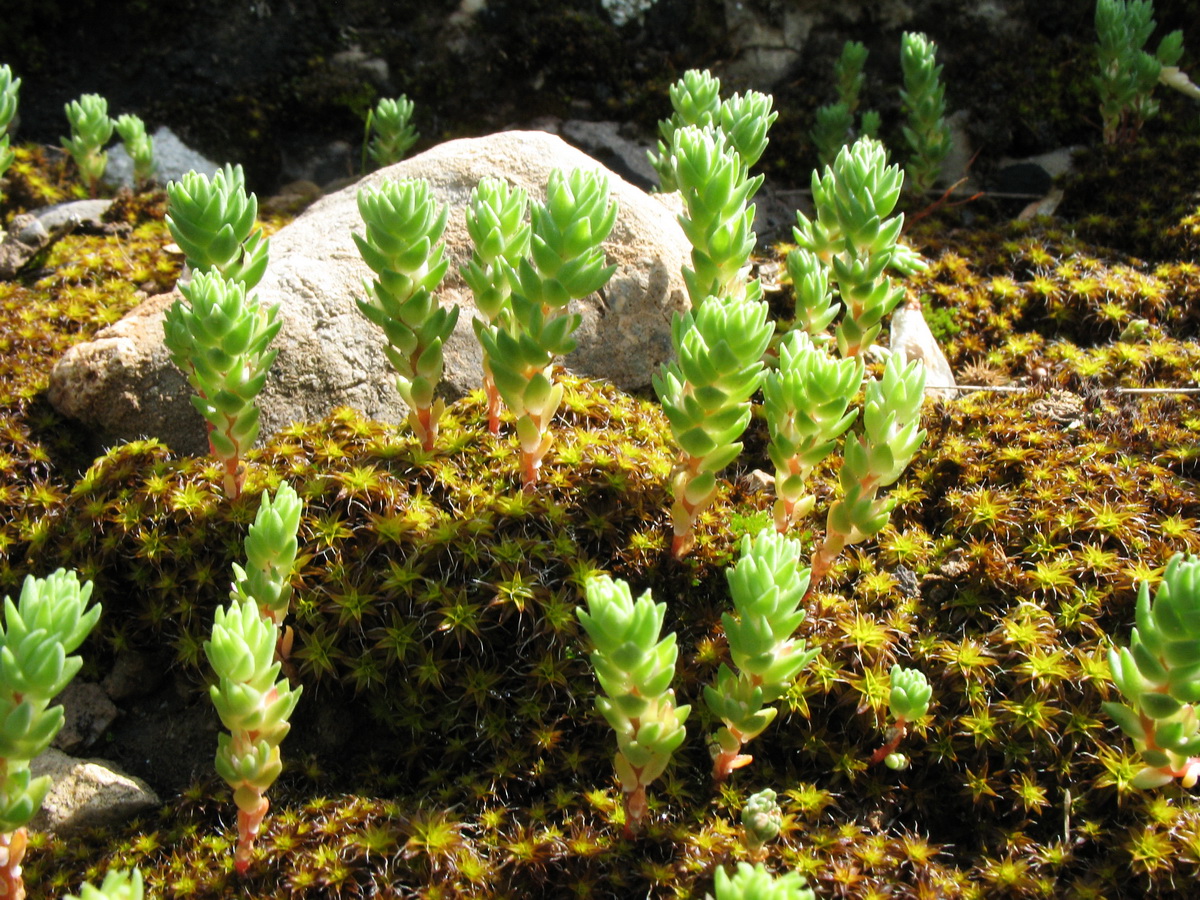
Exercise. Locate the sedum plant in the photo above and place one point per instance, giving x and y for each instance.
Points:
(566, 262)
(270, 549)
(219, 338)
(705, 393)
(923, 98)
(401, 245)
(762, 820)
(119, 884)
(41, 630)
(756, 883)
(873, 459)
(806, 399)
(855, 235)
(635, 669)
(908, 701)
(500, 236)
(91, 129)
(391, 132)
(139, 146)
(1128, 73)
(696, 99)
(1158, 675)
(213, 222)
(767, 586)
(834, 124)
(254, 703)
(10, 89)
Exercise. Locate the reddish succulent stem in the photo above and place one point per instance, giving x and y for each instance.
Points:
(12, 851)
(248, 825)
(895, 736)
(493, 402)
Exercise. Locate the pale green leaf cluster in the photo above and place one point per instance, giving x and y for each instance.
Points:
(500, 237)
(270, 549)
(908, 695)
(635, 669)
(140, 147)
(806, 399)
(877, 456)
(756, 883)
(855, 234)
(392, 132)
(834, 125)
(119, 884)
(1159, 676)
(404, 226)
(696, 100)
(219, 338)
(213, 222)
(91, 129)
(923, 99)
(10, 89)
(767, 586)
(47, 623)
(762, 820)
(1128, 73)
(252, 699)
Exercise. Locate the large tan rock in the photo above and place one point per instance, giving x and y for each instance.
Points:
(123, 384)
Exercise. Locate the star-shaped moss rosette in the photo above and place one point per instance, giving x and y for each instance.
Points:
(139, 146)
(91, 129)
(855, 235)
(254, 704)
(908, 700)
(757, 883)
(874, 458)
(47, 623)
(214, 224)
(696, 100)
(768, 587)
(391, 132)
(1158, 674)
(10, 89)
(635, 670)
(219, 338)
(806, 399)
(923, 98)
(401, 244)
(566, 262)
(120, 884)
(500, 236)
(270, 548)
(705, 393)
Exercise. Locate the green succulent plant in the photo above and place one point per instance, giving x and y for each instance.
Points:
(767, 586)
(254, 703)
(762, 820)
(213, 222)
(500, 237)
(696, 100)
(118, 884)
(833, 127)
(41, 630)
(140, 147)
(566, 262)
(923, 98)
(756, 883)
(270, 550)
(9, 95)
(1157, 676)
(635, 669)
(908, 700)
(91, 129)
(401, 245)
(390, 130)
(219, 338)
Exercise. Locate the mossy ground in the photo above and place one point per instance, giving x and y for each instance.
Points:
(434, 601)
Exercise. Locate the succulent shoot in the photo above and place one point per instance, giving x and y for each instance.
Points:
(139, 146)
(834, 125)
(119, 884)
(705, 393)
(873, 459)
(635, 669)
(254, 704)
(908, 701)
(756, 883)
(10, 89)
(923, 98)
(213, 222)
(270, 549)
(566, 262)
(696, 99)
(767, 586)
(219, 339)
(1158, 675)
(47, 623)
(391, 132)
(806, 400)
(404, 226)
(500, 235)
(762, 820)
(815, 306)
(91, 129)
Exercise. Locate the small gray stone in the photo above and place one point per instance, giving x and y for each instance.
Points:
(89, 213)
(89, 793)
(173, 157)
(89, 713)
